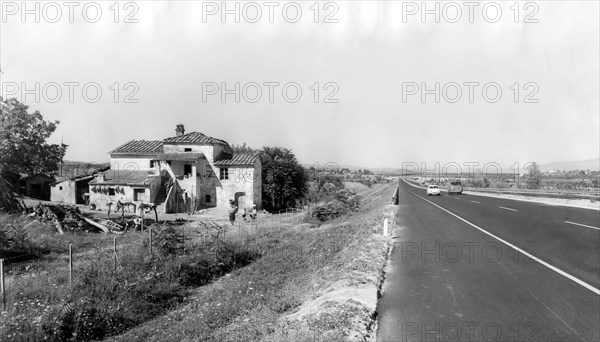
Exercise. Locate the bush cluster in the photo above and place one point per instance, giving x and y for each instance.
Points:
(343, 201)
(103, 302)
(14, 241)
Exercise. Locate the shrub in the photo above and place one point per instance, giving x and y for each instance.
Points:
(349, 198)
(344, 202)
(328, 211)
(169, 241)
(364, 181)
(14, 241)
(103, 303)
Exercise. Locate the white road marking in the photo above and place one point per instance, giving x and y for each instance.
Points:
(506, 269)
(557, 316)
(553, 268)
(583, 225)
(475, 201)
(508, 208)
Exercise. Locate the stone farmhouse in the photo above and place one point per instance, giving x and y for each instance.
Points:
(189, 171)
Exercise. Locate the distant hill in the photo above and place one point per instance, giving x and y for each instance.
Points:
(591, 164)
(78, 168)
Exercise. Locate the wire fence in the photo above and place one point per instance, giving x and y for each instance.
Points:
(65, 267)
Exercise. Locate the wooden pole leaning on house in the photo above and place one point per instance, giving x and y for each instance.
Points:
(2, 288)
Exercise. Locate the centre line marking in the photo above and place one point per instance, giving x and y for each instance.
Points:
(583, 225)
(475, 201)
(553, 268)
(508, 208)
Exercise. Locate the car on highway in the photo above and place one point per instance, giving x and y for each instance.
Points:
(455, 187)
(433, 190)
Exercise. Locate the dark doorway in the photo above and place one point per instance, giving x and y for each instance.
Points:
(239, 197)
(81, 187)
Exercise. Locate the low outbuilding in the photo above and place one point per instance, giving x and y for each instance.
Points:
(74, 190)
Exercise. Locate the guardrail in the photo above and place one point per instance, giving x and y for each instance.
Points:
(538, 192)
(594, 193)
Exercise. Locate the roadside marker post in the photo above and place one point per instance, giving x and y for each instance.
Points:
(2, 284)
(385, 227)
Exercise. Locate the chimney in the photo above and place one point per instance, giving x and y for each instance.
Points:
(179, 130)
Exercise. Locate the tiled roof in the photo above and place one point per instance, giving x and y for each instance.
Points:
(184, 156)
(195, 138)
(238, 159)
(83, 176)
(123, 177)
(139, 147)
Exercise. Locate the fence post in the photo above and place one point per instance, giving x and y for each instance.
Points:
(142, 215)
(385, 227)
(115, 252)
(70, 263)
(2, 284)
(150, 232)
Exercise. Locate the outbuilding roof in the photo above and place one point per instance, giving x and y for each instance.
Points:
(183, 156)
(238, 159)
(123, 177)
(150, 147)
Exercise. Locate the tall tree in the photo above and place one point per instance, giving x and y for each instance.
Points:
(284, 179)
(23, 146)
(242, 149)
(534, 177)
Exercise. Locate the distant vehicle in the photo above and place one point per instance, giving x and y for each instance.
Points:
(433, 190)
(455, 187)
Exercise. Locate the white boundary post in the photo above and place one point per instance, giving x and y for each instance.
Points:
(2, 288)
(385, 227)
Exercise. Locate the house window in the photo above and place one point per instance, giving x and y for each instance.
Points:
(111, 191)
(207, 198)
(187, 169)
(224, 173)
(151, 163)
(187, 149)
(60, 188)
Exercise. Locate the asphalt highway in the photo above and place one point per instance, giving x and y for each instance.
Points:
(478, 268)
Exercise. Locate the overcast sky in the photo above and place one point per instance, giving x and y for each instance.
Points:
(367, 63)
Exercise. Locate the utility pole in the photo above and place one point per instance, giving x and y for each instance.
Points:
(61, 159)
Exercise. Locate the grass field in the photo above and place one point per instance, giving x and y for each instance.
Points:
(312, 283)
(300, 282)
